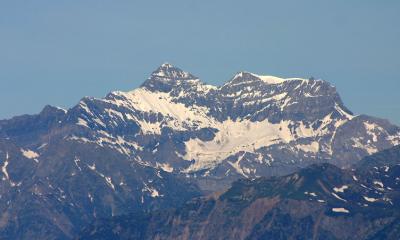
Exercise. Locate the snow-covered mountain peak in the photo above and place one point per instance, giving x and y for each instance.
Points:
(242, 78)
(245, 78)
(167, 65)
(170, 72)
(270, 79)
(167, 77)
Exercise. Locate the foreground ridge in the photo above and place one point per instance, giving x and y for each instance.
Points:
(321, 201)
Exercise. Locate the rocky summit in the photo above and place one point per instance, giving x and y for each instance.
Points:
(170, 140)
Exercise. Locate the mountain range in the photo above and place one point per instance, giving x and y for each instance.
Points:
(175, 139)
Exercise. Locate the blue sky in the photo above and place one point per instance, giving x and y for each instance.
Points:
(56, 52)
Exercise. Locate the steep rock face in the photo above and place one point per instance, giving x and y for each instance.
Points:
(258, 98)
(318, 202)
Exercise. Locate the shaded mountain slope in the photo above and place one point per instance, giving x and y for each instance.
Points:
(318, 202)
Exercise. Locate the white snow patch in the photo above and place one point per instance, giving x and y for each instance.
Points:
(92, 167)
(99, 122)
(394, 139)
(370, 199)
(90, 197)
(62, 109)
(270, 79)
(277, 80)
(378, 183)
(83, 105)
(4, 170)
(76, 160)
(234, 137)
(109, 182)
(79, 139)
(236, 166)
(312, 147)
(277, 97)
(337, 196)
(342, 112)
(371, 130)
(311, 194)
(82, 122)
(341, 210)
(368, 148)
(42, 146)
(386, 168)
(165, 166)
(153, 192)
(107, 179)
(30, 154)
(340, 189)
